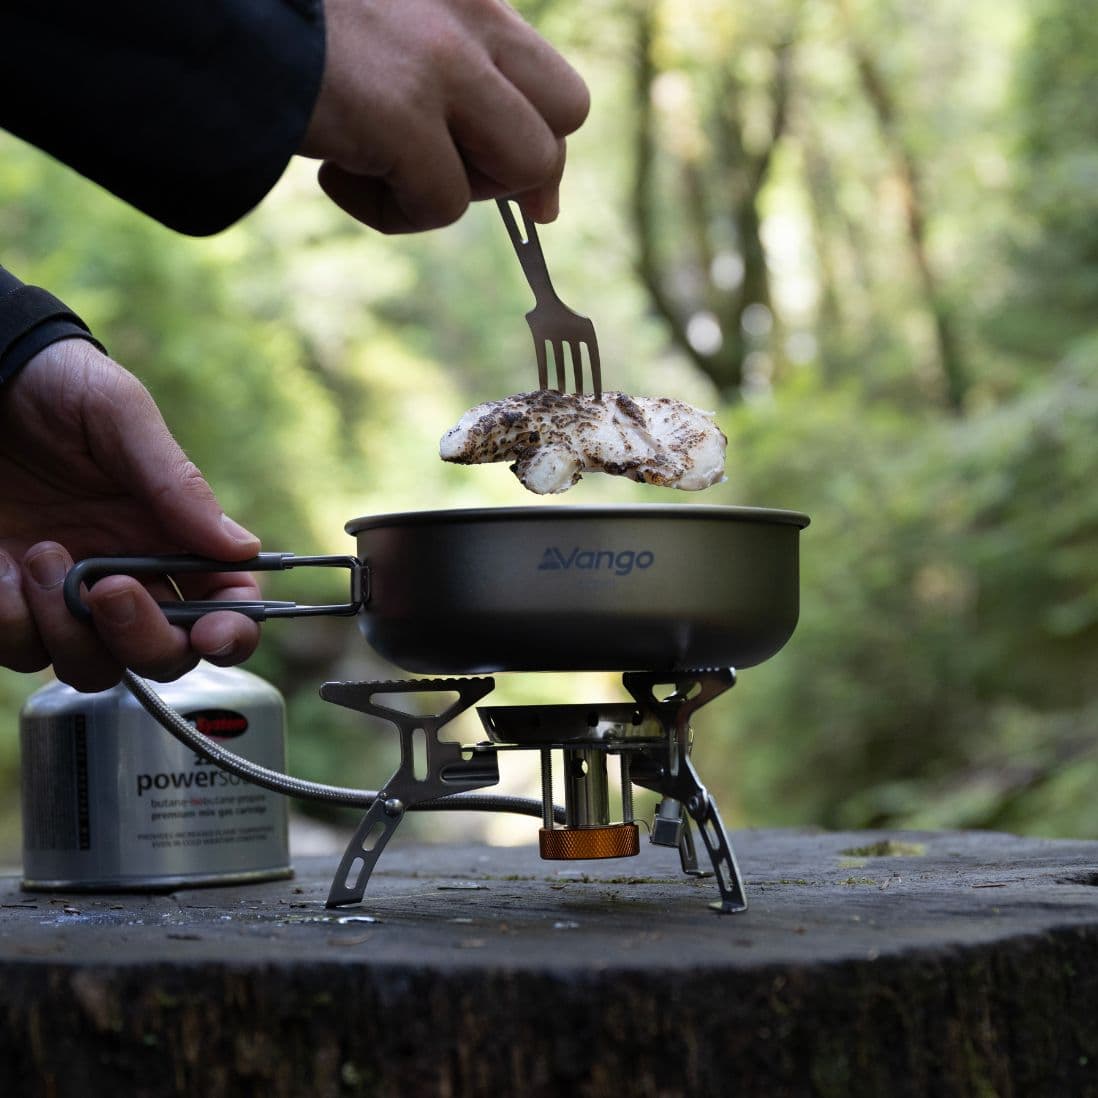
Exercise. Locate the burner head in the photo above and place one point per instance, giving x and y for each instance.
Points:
(537, 725)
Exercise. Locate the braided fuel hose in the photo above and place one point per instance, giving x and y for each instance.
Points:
(275, 780)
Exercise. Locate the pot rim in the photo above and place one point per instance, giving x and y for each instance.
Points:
(580, 511)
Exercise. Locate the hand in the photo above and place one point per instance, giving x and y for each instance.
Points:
(88, 467)
(426, 105)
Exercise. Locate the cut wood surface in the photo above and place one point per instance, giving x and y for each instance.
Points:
(867, 964)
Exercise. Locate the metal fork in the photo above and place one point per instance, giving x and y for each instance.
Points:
(551, 322)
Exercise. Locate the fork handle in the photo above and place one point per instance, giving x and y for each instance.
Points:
(528, 249)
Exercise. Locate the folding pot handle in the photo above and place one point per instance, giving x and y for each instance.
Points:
(187, 612)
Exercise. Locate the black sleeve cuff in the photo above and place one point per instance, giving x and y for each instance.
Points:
(30, 320)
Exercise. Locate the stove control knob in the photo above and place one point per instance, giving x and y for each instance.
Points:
(575, 843)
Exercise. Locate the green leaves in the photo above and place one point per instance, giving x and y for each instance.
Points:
(943, 669)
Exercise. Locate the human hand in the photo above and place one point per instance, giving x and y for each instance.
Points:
(427, 105)
(88, 467)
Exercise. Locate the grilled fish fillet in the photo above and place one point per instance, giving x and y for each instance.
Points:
(553, 438)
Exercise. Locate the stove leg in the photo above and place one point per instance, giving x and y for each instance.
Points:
(671, 827)
(677, 780)
(703, 811)
(374, 830)
(688, 854)
(429, 768)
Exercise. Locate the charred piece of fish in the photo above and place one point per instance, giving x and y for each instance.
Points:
(553, 438)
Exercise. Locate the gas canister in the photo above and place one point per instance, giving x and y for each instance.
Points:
(111, 801)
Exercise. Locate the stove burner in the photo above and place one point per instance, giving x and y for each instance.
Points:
(555, 725)
(651, 739)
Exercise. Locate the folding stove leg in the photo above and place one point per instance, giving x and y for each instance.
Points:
(674, 776)
(703, 811)
(374, 831)
(429, 768)
(680, 790)
(688, 854)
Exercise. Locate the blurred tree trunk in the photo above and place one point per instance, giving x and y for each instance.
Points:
(721, 189)
(954, 373)
(829, 227)
(1050, 303)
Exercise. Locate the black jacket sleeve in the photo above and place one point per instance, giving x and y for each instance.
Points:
(30, 320)
(188, 110)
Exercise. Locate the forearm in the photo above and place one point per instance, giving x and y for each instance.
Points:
(30, 320)
(190, 112)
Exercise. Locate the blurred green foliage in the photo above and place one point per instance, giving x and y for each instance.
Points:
(914, 362)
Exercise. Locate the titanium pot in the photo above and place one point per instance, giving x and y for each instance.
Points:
(554, 588)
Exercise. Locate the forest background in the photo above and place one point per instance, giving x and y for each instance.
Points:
(864, 231)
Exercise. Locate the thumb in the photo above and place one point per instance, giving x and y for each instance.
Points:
(189, 512)
(131, 441)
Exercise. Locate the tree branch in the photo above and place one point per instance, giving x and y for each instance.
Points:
(950, 361)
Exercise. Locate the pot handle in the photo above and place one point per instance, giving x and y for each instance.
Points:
(187, 612)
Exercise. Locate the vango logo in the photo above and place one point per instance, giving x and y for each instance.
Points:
(620, 562)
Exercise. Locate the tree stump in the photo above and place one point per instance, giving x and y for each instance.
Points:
(867, 964)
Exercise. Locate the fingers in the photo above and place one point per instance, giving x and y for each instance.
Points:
(134, 629)
(223, 637)
(78, 656)
(409, 202)
(429, 104)
(21, 648)
(543, 76)
(128, 627)
(542, 204)
(502, 136)
(410, 197)
(135, 632)
(512, 129)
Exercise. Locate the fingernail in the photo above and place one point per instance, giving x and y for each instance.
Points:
(236, 531)
(119, 609)
(47, 568)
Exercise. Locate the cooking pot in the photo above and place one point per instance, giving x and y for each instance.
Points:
(656, 587)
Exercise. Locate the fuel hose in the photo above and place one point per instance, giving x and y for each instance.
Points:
(179, 727)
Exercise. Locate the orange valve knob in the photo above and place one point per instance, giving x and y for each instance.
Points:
(574, 843)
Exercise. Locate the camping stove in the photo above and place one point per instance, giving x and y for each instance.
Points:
(648, 739)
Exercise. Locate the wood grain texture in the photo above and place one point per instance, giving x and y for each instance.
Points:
(867, 964)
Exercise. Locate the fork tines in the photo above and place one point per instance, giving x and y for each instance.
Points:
(576, 347)
(551, 321)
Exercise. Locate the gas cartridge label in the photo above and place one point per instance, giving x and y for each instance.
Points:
(222, 724)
